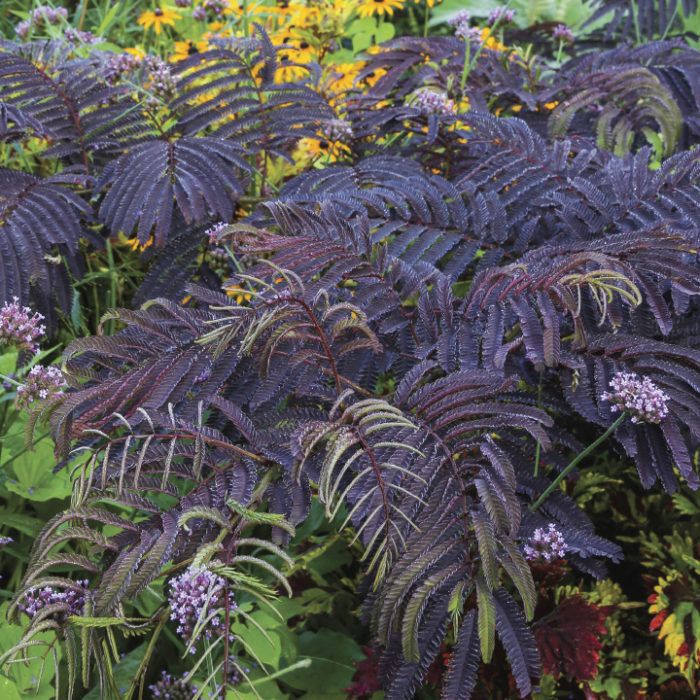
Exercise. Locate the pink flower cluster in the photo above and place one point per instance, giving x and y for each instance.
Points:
(431, 102)
(196, 598)
(640, 397)
(19, 326)
(72, 599)
(546, 545)
(40, 384)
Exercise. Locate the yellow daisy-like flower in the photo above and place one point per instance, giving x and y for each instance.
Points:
(340, 77)
(133, 243)
(238, 293)
(136, 52)
(158, 18)
(490, 41)
(429, 3)
(289, 59)
(183, 50)
(311, 150)
(369, 8)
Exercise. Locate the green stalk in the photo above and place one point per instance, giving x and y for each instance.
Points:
(4, 377)
(112, 284)
(246, 26)
(426, 18)
(572, 464)
(538, 449)
(467, 64)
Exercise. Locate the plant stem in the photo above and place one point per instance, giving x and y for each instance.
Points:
(246, 26)
(467, 64)
(112, 284)
(538, 449)
(5, 378)
(572, 464)
(427, 17)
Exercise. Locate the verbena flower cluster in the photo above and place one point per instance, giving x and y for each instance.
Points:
(216, 7)
(546, 545)
(169, 688)
(39, 17)
(195, 596)
(459, 18)
(41, 383)
(161, 82)
(500, 15)
(563, 33)
(212, 233)
(338, 130)
(19, 326)
(35, 599)
(78, 36)
(118, 65)
(638, 396)
(430, 102)
(5, 540)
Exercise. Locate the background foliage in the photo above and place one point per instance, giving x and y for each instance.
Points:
(335, 289)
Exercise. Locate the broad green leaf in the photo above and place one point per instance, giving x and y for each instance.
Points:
(332, 655)
(8, 689)
(33, 680)
(124, 672)
(31, 473)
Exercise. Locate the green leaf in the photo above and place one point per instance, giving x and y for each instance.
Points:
(268, 649)
(32, 680)
(8, 689)
(332, 655)
(32, 470)
(8, 362)
(486, 618)
(123, 672)
(385, 31)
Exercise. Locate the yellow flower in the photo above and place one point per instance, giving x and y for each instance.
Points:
(369, 8)
(340, 77)
(310, 150)
(490, 41)
(136, 51)
(291, 61)
(429, 3)
(133, 243)
(158, 18)
(236, 291)
(551, 105)
(183, 50)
